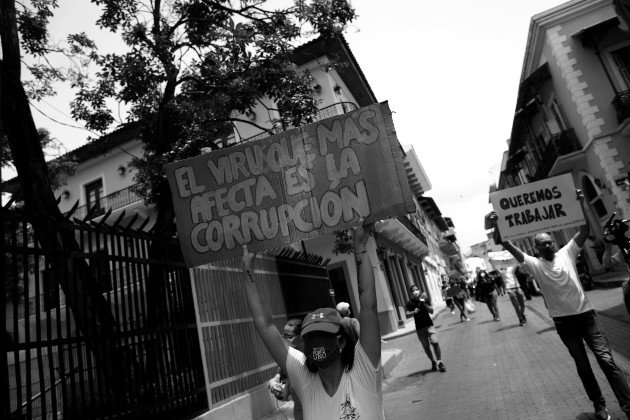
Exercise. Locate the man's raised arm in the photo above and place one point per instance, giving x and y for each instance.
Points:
(507, 245)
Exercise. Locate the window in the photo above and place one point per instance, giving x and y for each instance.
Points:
(93, 196)
(592, 195)
(621, 58)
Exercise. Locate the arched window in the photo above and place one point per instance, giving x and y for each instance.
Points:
(592, 195)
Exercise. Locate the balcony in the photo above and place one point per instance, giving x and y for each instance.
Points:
(448, 247)
(560, 144)
(327, 112)
(412, 228)
(621, 102)
(114, 201)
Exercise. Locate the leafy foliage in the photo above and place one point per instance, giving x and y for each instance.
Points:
(193, 66)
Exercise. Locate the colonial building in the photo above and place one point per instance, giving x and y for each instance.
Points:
(572, 111)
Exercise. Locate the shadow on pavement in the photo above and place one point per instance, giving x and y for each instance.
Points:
(419, 373)
(546, 330)
(507, 327)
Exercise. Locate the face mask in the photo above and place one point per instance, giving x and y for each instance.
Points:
(416, 293)
(322, 350)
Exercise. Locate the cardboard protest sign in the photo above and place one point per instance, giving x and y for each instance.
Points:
(295, 185)
(541, 206)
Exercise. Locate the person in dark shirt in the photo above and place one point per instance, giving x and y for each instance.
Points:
(421, 310)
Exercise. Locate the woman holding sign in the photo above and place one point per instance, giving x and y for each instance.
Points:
(333, 378)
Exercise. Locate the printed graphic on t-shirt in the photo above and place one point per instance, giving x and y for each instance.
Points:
(348, 412)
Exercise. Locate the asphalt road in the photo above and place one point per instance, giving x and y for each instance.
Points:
(500, 370)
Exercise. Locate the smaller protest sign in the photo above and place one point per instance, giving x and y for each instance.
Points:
(542, 206)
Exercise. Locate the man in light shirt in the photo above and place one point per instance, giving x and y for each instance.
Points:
(573, 314)
(514, 292)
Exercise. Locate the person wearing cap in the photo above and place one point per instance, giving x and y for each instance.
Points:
(351, 325)
(333, 377)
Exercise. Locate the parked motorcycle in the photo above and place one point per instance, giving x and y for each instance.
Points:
(615, 233)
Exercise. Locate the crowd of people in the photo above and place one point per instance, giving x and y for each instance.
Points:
(330, 363)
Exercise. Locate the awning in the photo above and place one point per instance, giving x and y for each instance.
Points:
(394, 231)
(589, 35)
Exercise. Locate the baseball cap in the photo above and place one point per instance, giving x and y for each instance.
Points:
(343, 306)
(322, 319)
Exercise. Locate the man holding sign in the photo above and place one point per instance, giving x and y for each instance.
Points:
(573, 314)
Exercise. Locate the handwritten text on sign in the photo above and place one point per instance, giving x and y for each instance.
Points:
(294, 185)
(541, 206)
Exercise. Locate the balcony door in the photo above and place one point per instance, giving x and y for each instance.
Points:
(93, 196)
(621, 58)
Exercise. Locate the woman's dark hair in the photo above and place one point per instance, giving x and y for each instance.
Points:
(484, 272)
(347, 354)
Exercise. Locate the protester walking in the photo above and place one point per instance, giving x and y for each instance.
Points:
(515, 293)
(419, 307)
(458, 293)
(573, 314)
(486, 291)
(333, 378)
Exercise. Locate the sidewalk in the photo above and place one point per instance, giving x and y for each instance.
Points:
(613, 278)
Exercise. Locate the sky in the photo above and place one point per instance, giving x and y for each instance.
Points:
(449, 70)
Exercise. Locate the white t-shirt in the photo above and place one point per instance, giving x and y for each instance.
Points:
(358, 397)
(510, 278)
(559, 282)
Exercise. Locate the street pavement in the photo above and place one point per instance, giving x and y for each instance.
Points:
(499, 370)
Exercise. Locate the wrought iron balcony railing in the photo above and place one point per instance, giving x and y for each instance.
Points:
(327, 112)
(621, 102)
(113, 201)
(412, 228)
(559, 145)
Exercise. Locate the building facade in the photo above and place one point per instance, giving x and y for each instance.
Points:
(571, 112)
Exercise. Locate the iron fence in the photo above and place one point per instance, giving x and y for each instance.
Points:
(100, 323)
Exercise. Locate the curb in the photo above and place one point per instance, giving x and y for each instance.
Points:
(389, 360)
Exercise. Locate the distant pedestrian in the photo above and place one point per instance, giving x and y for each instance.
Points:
(499, 282)
(447, 299)
(573, 314)
(419, 307)
(487, 292)
(458, 294)
(523, 279)
(350, 324)
(515, 293)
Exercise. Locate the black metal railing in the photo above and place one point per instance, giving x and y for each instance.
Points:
(113, 201)
(75, 351)
(327, 112)
(559, 145)
(621, 102)
(412, 228)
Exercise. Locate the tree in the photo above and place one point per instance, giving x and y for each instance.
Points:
(26, 29)
(192, 67)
